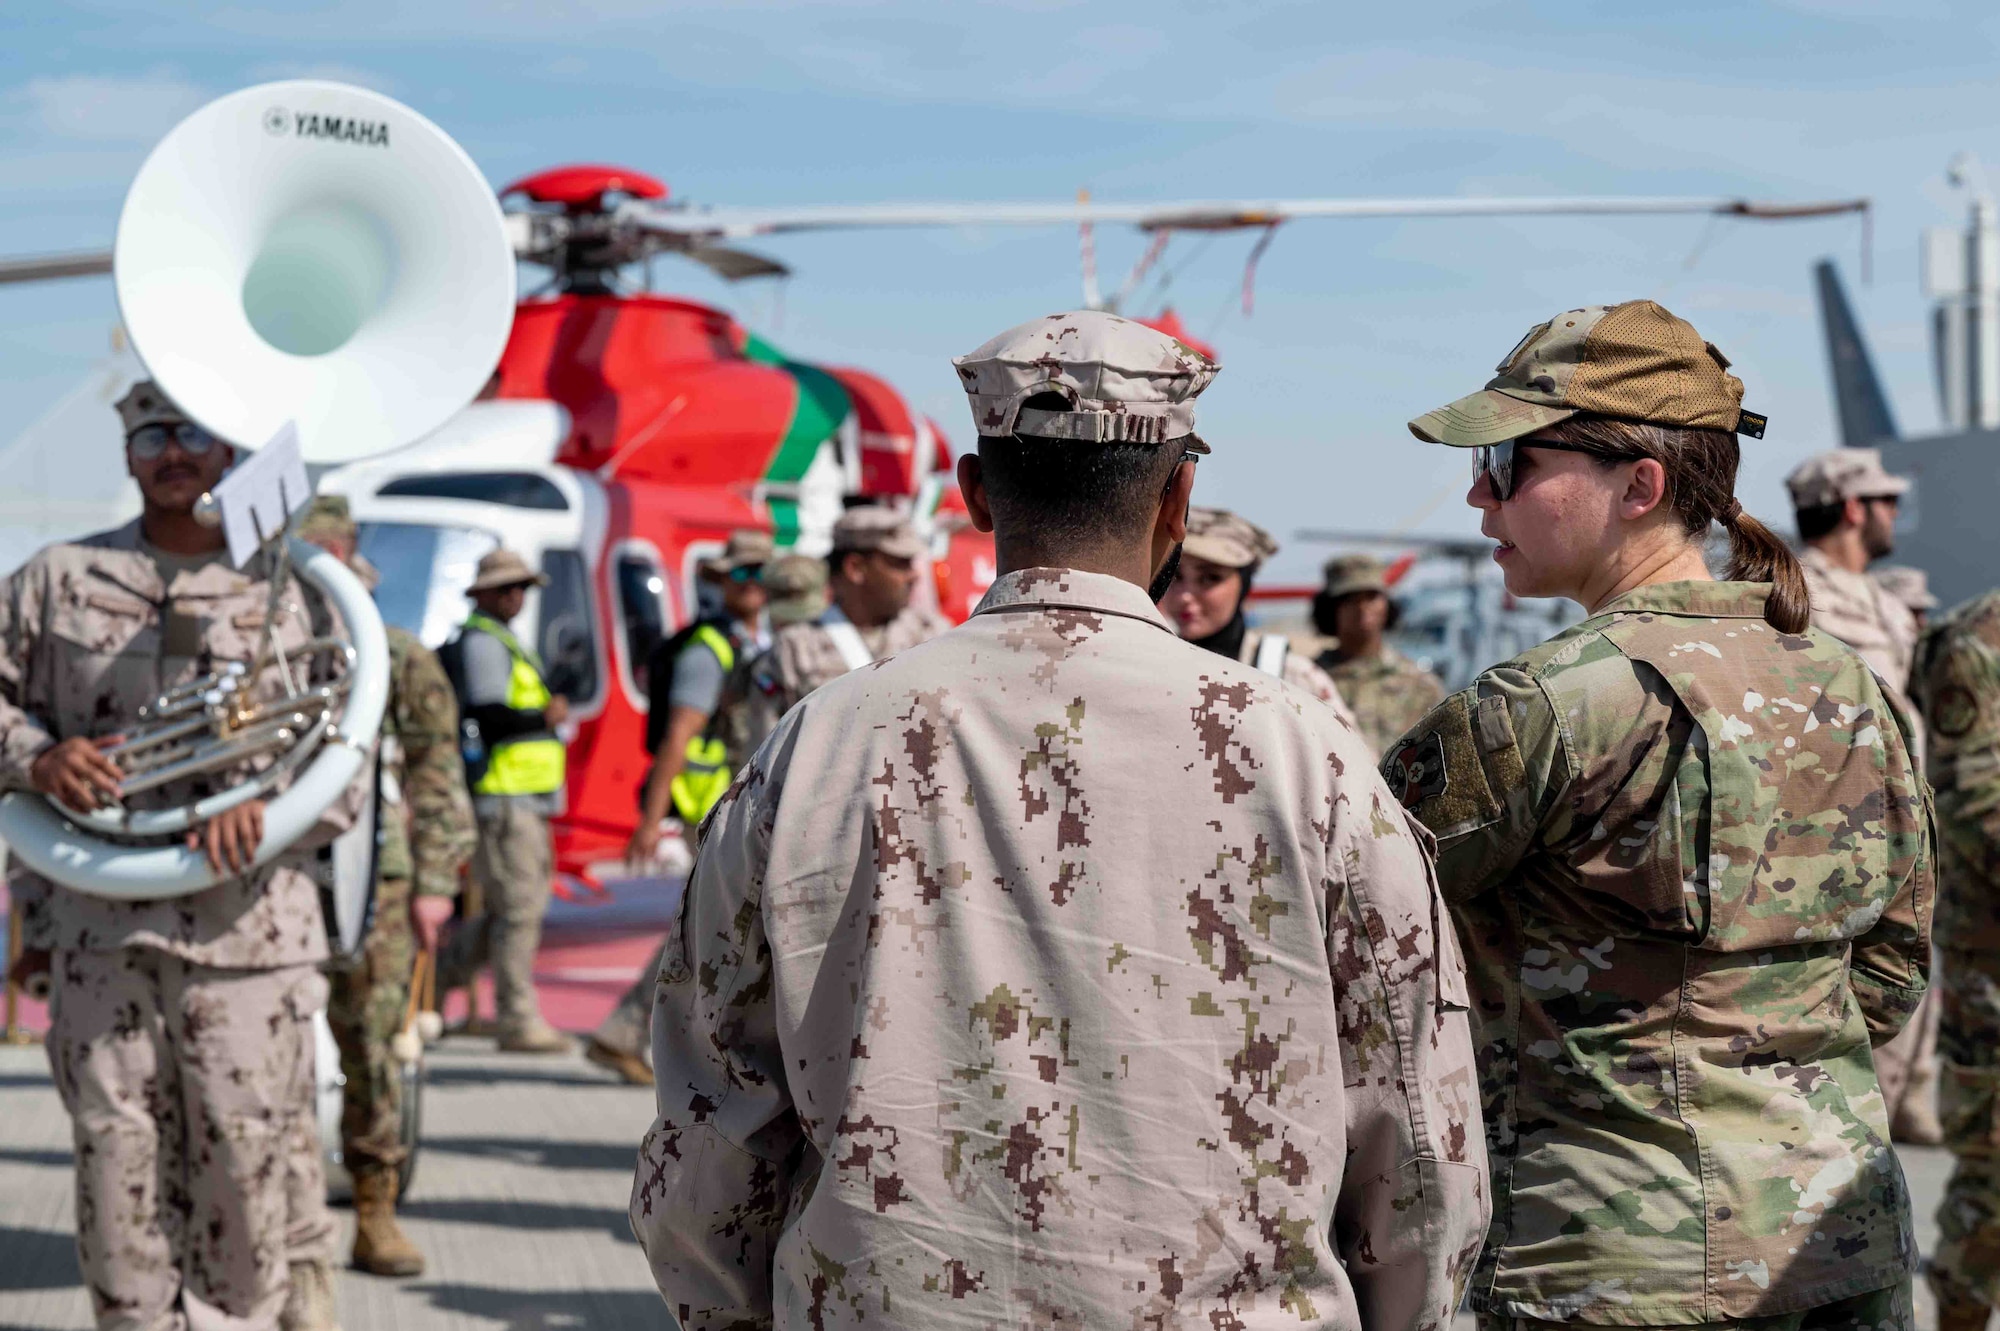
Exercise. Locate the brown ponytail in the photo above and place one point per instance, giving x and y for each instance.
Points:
(1701, 489)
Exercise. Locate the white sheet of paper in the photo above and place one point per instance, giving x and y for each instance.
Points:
(260, 494)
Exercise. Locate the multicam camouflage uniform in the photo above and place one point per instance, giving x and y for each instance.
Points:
(1958, 682)
(1388, 692)
(180, 1037)
(425, 833)
(1056, 972)
(1691, 865)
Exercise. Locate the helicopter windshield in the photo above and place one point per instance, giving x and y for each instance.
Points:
(425, 570)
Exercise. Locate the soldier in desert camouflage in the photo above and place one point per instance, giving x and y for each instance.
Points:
(1211, 586)
(1690, 861)
(1387, 691)
(1845, 506)
(1056, 972)
(1958, 684)
(424, 835)
(180, 1030)
(872, 574)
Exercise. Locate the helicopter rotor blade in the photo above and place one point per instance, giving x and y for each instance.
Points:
(734, 265)
(1223, 215)
(44, 267)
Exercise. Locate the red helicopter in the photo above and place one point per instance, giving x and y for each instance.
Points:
(625, 434)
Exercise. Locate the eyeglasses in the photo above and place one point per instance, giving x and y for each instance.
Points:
(1496, 461)
(149, 441)
(747, 573)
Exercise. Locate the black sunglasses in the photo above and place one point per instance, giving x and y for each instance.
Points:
(1496, 461)
(149, 441)
(747, 573)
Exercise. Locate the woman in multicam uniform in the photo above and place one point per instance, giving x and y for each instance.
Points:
(1690, 862)
(1205, 601)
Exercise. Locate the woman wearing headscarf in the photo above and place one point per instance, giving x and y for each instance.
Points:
(1219, 560)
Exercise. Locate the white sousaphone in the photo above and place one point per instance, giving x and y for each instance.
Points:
(301, 254)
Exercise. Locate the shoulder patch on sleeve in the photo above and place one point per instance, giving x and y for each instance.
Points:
(1415, 769)
(1955, 711)
(1453, 769)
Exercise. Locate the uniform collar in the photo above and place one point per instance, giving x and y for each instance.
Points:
(1035, 588)
(1706, 600)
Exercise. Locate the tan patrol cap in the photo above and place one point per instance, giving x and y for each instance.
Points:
(328, 517)
(1911, 586)
(1220, 537)
(745, 548)
(871, 527)
(797, 587)
(1125, 382)
(1634, 361)
(504, 568)
(1348, 574)
(145, 404)
(1841, 474)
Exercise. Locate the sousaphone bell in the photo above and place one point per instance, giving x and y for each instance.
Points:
(300, 261)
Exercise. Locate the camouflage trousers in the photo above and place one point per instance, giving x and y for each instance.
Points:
(186, 1087)
(369, 999)
(1891, 1309)
(514, 865)
(1965, 1270)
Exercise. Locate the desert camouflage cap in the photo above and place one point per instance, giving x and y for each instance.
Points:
(745, 548)
(1634, 361)
(873, 527)
(1221, 537)
(1841, 474)
(145, 404)
(1347, 574)
(1124, 382)
(327, 518)
(797, 587)
(1911, 586)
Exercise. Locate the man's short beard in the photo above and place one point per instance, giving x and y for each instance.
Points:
(1165, 577)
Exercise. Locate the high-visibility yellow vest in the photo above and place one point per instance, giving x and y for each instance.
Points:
(529, 764)
(705, 775)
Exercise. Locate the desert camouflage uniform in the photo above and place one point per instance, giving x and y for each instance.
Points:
(1388, 693)
(1959, 685)
(1691, 865)
(1059, 973)
(1863, 613)
(424, 834)
(803, 657)
(1301, 673)
(180, 1031)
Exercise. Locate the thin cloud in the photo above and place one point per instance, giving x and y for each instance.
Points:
(106, 108)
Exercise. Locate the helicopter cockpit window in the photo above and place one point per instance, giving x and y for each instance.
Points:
(425, 570)
(516, 489)
(568, 648)
(640, 591)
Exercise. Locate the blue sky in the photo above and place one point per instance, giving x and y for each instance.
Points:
(1358, 325)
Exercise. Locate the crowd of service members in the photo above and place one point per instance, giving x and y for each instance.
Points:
(1104, 960)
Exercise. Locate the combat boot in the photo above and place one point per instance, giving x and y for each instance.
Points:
(537, 1037)
(380, 1246)
(309, 1302)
